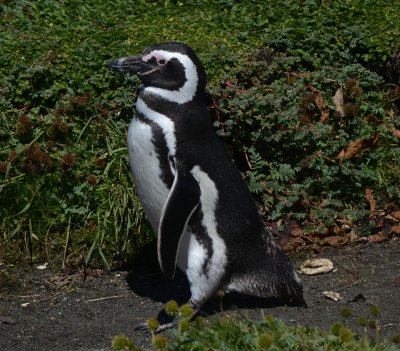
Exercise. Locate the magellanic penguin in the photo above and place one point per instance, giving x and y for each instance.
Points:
(207, 222)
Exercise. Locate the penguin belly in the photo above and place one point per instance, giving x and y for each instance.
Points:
(145, 167)
(151, 190)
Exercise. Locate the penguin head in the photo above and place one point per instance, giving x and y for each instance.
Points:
(171, 70)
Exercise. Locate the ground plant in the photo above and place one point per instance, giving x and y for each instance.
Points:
(269, 334)
(304, 93)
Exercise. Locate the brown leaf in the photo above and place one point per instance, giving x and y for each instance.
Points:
(290, 243)
(395, 230)
(341, 156)
(394, 215)
(296, 230)
(338, 101)
(61, 280)
(320, 103)
(372, 203)
(396, 133)
(324, 116)
(334, 240)
(286, 247)
(377, 238)
(335, 229)
(356, 147)
(322, 231)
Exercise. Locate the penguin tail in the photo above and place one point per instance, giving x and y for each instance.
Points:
(291, 293)
(268, 274)
(288, 289)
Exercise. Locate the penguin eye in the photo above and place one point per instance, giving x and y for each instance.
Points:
(162, 62)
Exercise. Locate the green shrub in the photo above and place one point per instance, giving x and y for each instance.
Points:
(308, 158)
(65, 184)
(64, 181)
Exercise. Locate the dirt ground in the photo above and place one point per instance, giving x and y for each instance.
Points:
(43, 310)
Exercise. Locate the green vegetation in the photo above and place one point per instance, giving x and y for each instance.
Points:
(270, 334)
(312, 159)
(65, 187)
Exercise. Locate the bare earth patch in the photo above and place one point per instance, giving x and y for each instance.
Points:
(43, 310)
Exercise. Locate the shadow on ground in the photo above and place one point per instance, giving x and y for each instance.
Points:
(48, 310)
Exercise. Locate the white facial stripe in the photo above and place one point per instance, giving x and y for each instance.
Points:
(188, 90)
(163, 121)
(148, 72)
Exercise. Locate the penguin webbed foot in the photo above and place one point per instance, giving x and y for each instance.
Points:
(166, 321)
(144, 326)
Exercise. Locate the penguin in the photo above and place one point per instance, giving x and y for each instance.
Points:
(207, 222)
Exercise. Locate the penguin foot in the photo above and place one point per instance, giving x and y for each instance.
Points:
(142, 327)
(166, 321)
(166, 326)
(162, 327)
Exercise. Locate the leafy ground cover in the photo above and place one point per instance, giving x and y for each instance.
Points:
(65, 188)
(270, 334)
(317, 128)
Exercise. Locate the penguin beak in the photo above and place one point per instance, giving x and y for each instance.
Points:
(132, 64)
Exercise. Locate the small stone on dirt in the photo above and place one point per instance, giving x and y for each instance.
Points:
(332, 295)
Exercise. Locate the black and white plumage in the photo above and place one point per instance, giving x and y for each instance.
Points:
(192, 194)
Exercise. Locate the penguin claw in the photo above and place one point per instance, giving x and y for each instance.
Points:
(162, 327)
(166, 326)
(142, 327)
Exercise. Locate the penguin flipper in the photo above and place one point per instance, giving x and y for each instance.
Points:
(181, 203)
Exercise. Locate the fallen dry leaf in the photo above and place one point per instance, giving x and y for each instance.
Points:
(316, 266)
(395, 230)
(338, 101)
(291, 243)
(296, 230)
(377, 238)
(334, 240)
(396, 133)
(61, 280)
(324, 116)
(372, 203)
(320, 103)
(356, 147)
(394, 215)
(332, 295)
(341, 156)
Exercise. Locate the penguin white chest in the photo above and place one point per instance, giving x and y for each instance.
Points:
(145, 167)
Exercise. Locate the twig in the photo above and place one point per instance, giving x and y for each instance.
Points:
(389, 325)
(66, 243)
(351, 285)
(28, 296)
(52, 296)
(106, 298)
